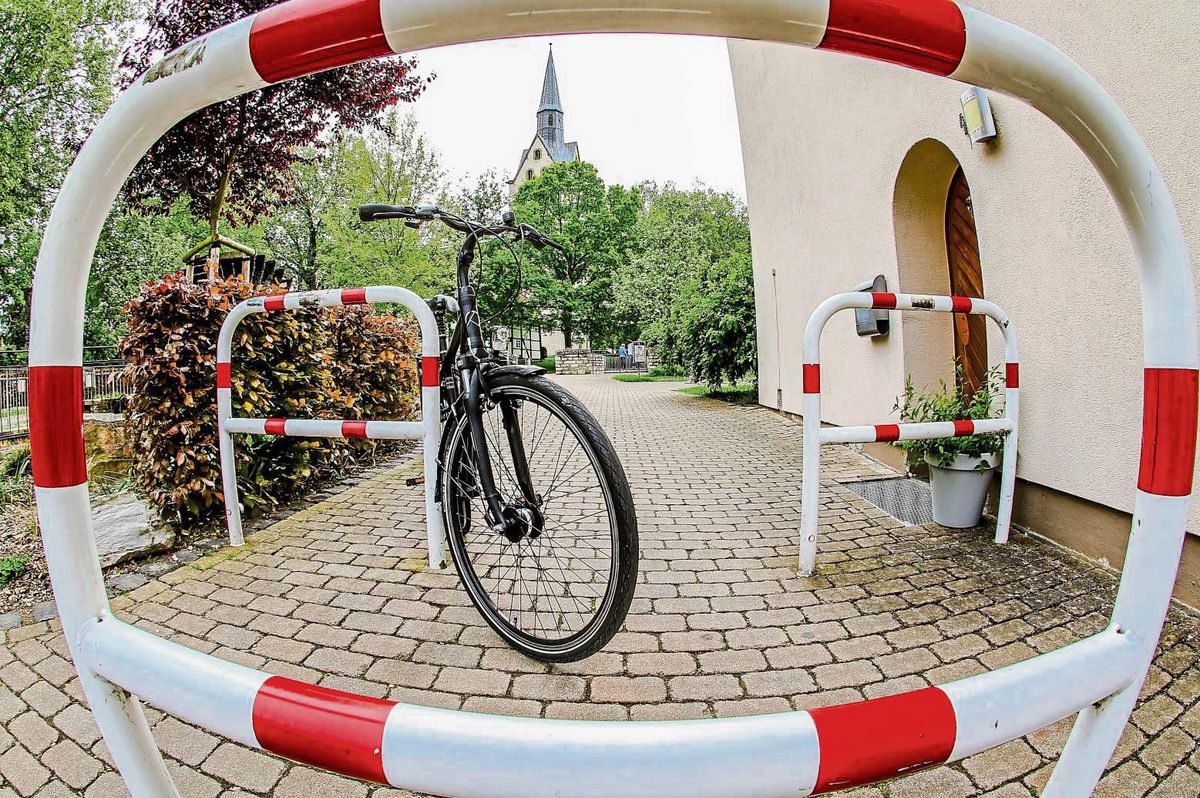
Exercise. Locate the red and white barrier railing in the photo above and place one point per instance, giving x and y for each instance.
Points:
(815, 436)
(428, 430)
(483, 756)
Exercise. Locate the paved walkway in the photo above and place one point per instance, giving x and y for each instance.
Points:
(720, 626)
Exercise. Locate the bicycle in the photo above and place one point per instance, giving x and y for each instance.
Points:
(538, 511)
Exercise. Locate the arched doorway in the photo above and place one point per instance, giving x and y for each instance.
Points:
(966, 279)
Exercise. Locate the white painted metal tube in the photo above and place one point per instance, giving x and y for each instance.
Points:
(428, 429)
(912, 432)
(329, 428)
(1009, 703)
(422, 749)
(216, 694)
(1008, 425)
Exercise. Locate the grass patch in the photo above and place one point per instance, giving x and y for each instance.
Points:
(745, 394)
(548, 364)
(649, 378)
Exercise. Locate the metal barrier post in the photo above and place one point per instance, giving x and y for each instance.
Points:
(428, 430)
(815, 436)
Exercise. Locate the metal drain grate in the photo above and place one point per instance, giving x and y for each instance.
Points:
(906, 499)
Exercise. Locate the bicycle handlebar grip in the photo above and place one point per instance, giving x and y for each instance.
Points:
(369, 213)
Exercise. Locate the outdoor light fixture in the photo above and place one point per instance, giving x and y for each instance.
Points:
(976, 117)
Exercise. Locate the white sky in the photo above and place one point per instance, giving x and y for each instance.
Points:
(479, 113)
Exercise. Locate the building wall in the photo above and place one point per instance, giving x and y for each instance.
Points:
(847, 162)
(531, 162)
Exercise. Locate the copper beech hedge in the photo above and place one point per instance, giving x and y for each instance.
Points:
(351, 363)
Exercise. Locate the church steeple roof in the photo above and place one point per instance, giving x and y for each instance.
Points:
(550, 98)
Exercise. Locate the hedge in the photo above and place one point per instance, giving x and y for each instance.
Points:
(349, 363)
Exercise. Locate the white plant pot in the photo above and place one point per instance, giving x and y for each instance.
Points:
(960, 490)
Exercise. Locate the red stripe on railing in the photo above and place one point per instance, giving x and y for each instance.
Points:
(1169, 432)
(431, 372)
(883, 301)
(961, 304)
(56, 426)
(964, 428)
(329, 729)
(1012, 375)
(273, 302)
(354, 296)
(926, 35)
(871, 741)
(306, 36)
(354, 429)
(812, 377)
(887, 432)
(275, 426)
(224, 375)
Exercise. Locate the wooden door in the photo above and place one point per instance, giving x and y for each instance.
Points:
(966, 279)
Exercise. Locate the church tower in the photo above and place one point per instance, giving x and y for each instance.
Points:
(549, 142)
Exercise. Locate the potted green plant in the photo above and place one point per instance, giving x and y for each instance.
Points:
(960, 469)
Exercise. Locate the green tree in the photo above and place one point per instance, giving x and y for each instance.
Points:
(56, 64)
(718, 340)
(505, 280)
(682, 234)
(296, 230)
(596, 224)
(392, 164)
(136, 248)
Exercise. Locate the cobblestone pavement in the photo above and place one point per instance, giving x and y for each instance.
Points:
(721, 625)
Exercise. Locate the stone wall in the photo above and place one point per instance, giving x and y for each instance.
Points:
(573, 362)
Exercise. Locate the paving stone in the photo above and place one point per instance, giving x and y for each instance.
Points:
(243, 768)
(22, 771)
(72, 764)
(44, 611)
(302, 782)
(183, 742)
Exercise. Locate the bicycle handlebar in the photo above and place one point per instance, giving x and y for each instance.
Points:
(428, 213)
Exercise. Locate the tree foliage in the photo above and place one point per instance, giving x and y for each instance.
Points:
(251, 142)
(717, 330)
(682, 236)
(56, 60)
(596, 224)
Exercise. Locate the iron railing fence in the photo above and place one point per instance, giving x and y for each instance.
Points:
(102, 380)
(616, 364)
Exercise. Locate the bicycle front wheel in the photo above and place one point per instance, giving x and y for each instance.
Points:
(560, 592)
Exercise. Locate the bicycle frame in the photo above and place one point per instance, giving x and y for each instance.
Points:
(469, 364)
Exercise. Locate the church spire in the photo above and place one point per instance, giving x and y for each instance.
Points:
(550, 99)
(550, 112)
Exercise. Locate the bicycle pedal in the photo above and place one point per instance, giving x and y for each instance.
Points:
(414, 481)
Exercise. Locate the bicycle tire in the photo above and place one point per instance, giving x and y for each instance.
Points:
(462, 521)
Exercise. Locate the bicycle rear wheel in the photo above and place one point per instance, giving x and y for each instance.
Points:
(562, 591)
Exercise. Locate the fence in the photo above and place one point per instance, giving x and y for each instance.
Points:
(815, 437)
(428, 430)
(103, 378)
(449, 752)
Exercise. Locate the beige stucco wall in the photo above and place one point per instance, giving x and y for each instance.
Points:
(824, 137)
